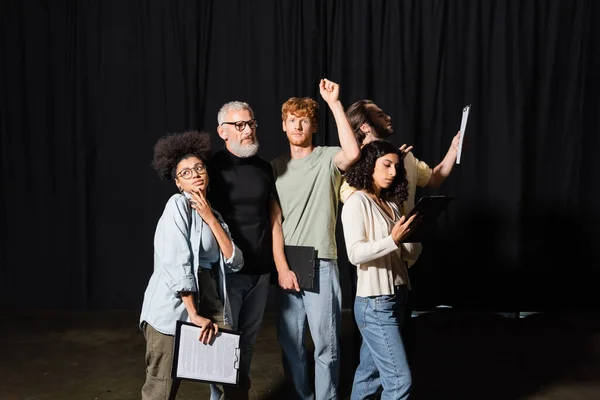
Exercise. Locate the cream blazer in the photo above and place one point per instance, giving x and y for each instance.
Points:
(381, 263)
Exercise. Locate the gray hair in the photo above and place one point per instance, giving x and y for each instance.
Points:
(232, 106)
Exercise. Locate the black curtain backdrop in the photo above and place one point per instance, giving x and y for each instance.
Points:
(87, 87)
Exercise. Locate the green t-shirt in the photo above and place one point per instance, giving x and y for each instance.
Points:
(308, 190)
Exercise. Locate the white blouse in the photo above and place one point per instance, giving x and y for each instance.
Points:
(381, 263)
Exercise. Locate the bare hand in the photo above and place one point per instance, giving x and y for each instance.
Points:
(330, 91)
(200, 204)
(208, 329)
(455, 141)
(405, 150)
(403, 227)
(288, 280)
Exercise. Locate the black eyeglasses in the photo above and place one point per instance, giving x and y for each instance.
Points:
(187, 173)
(241, 125)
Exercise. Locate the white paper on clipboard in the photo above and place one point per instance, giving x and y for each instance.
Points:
(217, 362)
(463, 128)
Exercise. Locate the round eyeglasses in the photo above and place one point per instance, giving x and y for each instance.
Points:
(187, 173)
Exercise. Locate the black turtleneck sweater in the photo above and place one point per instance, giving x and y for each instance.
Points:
(240, 189)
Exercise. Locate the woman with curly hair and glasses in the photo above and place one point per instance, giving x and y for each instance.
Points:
(193, 252)
(373, 230)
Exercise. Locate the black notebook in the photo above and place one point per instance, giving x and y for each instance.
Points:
(301, 260)
(429, 208)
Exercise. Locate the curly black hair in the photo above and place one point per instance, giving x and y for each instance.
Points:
(171, 149)
(360, 174)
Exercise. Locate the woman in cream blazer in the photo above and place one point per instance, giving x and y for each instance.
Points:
(373, 231)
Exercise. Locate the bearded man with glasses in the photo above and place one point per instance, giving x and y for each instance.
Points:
(243, 185)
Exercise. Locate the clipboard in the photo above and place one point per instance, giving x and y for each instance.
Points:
(302, 260)
(429, 208)
(218, 362)
(463, 128)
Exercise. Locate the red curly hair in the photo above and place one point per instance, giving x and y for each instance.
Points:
(301, 107)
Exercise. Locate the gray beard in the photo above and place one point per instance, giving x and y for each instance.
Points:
(244, 151)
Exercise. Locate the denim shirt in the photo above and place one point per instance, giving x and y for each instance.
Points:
(176, 262)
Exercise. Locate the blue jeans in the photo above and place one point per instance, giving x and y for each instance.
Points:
(382, 358)
(323, 310)
(248, 298)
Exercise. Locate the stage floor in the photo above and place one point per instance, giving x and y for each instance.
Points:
(458, 355)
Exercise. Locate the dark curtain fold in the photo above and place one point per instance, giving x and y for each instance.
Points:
(88, 87)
